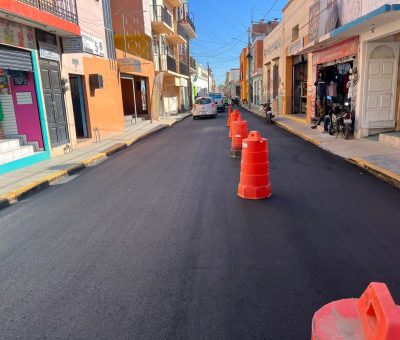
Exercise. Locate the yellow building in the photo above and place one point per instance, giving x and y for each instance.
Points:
(243, 75)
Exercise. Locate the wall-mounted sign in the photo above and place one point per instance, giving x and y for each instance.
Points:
(343, 49)
(326, 16)
(48, 51)
(129, 65)
(273, 46)
(13, 33)
(92, 45)
(72, 44)
(85, 43)
(24, 98)
(296, 46)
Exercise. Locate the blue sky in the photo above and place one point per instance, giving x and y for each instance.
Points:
(218, 21)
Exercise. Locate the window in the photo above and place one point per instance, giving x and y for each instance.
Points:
(295, 33)
(203, 101)
(109, 29)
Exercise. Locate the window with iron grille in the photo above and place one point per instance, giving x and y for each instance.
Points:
(109, 29)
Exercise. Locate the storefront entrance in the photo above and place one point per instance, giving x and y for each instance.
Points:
(381, 82)
(78, 103)
(20, 128)
(54, 100)
(299, 86)
(134, 97)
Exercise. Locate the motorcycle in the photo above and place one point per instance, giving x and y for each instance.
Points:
(340, 120)
(235, 101)
(267, 111)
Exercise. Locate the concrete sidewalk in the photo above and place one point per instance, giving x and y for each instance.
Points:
(377, 158)
(17, 184)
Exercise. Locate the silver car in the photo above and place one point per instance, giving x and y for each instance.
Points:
(204, 107)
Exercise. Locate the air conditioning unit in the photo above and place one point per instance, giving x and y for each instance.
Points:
(96, 81)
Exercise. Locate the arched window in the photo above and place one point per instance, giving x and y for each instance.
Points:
(382, 52)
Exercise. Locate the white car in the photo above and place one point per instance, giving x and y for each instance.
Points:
(218, 99)
(204, 107)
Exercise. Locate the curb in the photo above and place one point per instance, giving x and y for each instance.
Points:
(382, 173)
(34, 187)
(298, 133)
(375, 170)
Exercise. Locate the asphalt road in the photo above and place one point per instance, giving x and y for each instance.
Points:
(154, 243)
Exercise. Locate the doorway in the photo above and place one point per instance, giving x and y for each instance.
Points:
(380, 85)
(78, 103)
(54, 101)
(128, 96)
(299, 86)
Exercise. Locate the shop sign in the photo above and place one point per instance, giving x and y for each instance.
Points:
(92, 45)
(24, 98)
(343, 49)
(48, 51)
(327, 15)
(129, 65)
(72, 44)
(12, 33)
(296, 46)
(272, 47)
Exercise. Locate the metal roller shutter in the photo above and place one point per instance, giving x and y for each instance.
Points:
(15, 59)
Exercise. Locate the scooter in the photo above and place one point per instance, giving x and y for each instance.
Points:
(267, 111)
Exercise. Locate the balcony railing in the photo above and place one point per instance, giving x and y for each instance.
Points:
(64, 9)
(171, 64)
(164, 62)
(190, 22)
(192, 63)
(183, 69)
(160, 13)
(181, 31)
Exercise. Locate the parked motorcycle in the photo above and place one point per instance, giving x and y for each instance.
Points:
(236, 100)
(340, 120)
(267, 111)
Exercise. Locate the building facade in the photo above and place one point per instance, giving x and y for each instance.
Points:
(33, 117)
(200, 82)
(172, 29)
(350, 48)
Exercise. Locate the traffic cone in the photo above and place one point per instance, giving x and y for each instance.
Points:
(228, 123)
(239, 132)
(234, 117)
(254, 174)
(374, 316)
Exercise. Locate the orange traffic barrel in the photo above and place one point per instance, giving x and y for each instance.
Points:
(229, 116)
(240, 131)
(234, 117)
(374, 316)
(254, 174)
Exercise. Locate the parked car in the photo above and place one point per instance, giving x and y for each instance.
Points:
(218, 99)
(204, 107)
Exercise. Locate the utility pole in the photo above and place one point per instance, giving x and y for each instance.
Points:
(123, 25)
(190, 78)
(208, 77)
(248, 68)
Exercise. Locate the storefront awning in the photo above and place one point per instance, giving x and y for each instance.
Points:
(382, 16)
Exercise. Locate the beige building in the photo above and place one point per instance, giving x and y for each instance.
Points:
(273, 61)
(172, 28)
(351, 47)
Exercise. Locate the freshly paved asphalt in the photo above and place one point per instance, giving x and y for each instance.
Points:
(154, 243)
